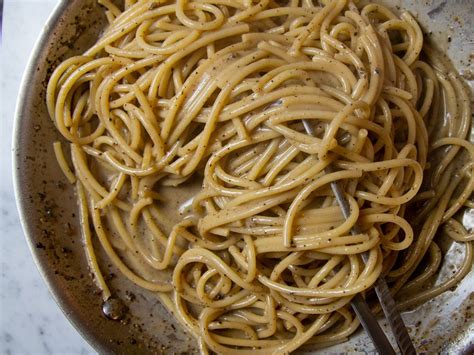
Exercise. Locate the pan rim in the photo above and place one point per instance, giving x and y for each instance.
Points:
(58, 294)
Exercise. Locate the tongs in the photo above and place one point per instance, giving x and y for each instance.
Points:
(360, 307)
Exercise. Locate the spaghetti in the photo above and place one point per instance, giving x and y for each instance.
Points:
(202, 101)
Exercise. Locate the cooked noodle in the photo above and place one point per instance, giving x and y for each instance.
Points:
(214, 92)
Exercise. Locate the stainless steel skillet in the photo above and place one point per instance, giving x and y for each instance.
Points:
(48, 210)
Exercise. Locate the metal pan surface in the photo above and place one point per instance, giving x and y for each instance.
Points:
(48, 209)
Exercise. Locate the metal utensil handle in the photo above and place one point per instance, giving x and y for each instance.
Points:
(367, 319)
(394, 318)
(371, 326)
(381, 289)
